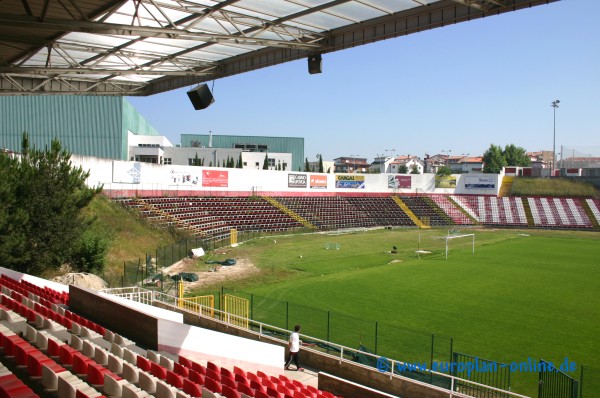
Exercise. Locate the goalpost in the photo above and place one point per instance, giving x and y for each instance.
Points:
(449, 237)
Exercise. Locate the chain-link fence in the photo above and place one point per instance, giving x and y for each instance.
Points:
(146, 272)
(379, 338)
(589, 382)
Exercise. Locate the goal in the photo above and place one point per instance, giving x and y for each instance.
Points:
(449, 238)
(332, 246)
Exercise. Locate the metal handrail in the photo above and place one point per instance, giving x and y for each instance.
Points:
(149, 296)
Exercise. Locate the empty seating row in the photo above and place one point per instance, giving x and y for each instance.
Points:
(558, 213)
(491, 210)
(594, 205)
(423, 207)
(457, 216)
(46, 295)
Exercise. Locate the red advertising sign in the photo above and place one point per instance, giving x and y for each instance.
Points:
(215, 178)
(318, 181)
(396, 181)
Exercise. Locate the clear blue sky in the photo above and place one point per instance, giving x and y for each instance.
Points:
(459, 88)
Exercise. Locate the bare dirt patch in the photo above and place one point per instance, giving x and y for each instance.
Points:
(243, 268)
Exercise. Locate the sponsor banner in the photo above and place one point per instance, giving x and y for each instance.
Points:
(297, 180)
(127, 172)
(350, 181)
(318, 181)
(445, 181)
(480, 182)
(399, 181)
(215, 178)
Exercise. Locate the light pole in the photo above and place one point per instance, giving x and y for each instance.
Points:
(554, 105)
(354, 164)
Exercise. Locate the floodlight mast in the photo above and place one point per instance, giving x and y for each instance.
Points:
(554, 105)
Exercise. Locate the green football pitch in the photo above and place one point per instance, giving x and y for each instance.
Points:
(522, 294)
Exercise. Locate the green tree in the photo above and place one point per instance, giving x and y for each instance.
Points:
(320, 163)
(266, 162)
(196, 161)
(516, 156)
(48, 197)
(240, 164)
(443, 171)
(13, 242)
(493, 160)
(414, 169)
(403, 169)
(91, 252)
(306, 165)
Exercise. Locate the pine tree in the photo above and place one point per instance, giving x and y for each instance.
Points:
(42, 225)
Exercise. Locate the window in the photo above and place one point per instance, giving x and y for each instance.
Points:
(245, 163)
(146, 159)
(167, 161)
(271, 162)
(256, 164)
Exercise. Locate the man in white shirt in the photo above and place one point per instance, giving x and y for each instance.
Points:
(294, 345)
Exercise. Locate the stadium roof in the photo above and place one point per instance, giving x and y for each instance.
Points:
(144, 47)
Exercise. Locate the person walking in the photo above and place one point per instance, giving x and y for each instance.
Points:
(294, 346)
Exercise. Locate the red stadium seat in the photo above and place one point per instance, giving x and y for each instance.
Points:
(210, 374)
(271, 392)
(185, 362)
(229, 392)
(213, 385)
(143, 363)
(227, 381)
(181, 370)
(261, 394)
(199, 368)
(239, 371)
(245, 389)
(255, 385)
(174, 379)
(196, 377)
(191, 388)
(158, 371)
(226, 372)
(213, 367)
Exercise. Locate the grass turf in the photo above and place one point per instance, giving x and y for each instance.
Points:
(517, 297)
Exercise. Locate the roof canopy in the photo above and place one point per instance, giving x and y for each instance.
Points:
(144, 47)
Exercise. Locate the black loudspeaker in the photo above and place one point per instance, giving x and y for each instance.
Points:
(201, 97)
(314, 64)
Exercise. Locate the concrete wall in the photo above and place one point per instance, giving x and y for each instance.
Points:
(128, 178)
(119, 318)
(158, 328)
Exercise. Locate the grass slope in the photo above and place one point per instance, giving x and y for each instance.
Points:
(131, 237)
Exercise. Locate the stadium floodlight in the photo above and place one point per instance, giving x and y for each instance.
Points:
(554, 105)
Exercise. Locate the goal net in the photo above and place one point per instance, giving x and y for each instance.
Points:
(449, 238)
(332, 246)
